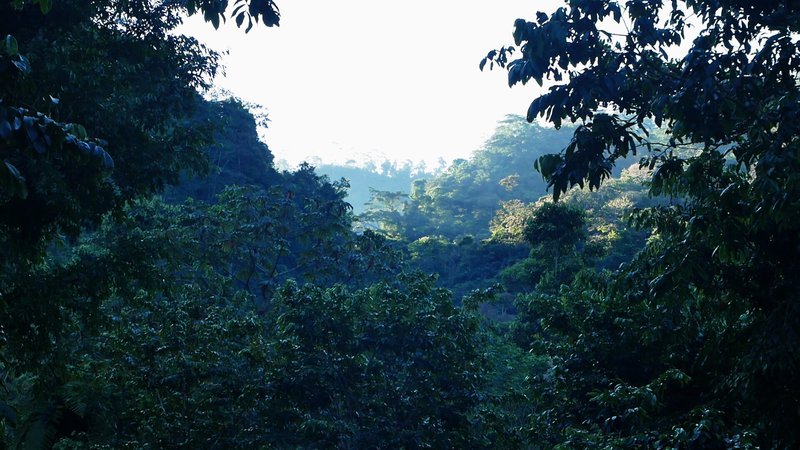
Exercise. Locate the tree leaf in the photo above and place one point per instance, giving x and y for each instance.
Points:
(11, 46)
(22, 64)
(12, 180)
(5, 129)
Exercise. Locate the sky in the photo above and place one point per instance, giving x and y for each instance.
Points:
(359, 80)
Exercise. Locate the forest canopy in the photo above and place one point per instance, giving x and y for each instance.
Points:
(164, 286)
(718, 281)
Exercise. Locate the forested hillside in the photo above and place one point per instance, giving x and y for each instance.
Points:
(467, 224)
(623, 276)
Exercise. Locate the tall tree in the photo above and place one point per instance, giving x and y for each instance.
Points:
(97, 104)
(721, 267)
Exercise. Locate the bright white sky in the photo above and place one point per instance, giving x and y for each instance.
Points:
(367, 79)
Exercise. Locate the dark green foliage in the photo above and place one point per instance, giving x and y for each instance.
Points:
(181, 357)
(465, 264)
(300, 229)
(250, 11)
(135, 112)
(708, 312)
(118, 70)
(259, 319)
(171, 365)
(554, 231)
(556, 226)
(387, 367)
(236, 157)
(97, 107)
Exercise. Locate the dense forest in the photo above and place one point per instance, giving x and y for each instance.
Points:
(617, 269)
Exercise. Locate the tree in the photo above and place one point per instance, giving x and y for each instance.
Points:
(96, 104)
(164, 343)
(722, 261)
(180, 356)
(557, 227)
(554, 232)
(743, 54)
(236, 157)
(300, 228)
(396, 365)
(385, 211)
(97, 108)
(463, 198)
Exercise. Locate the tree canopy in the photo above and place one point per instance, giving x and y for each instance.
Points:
(258, 316)
(721, 266)
(96, 106)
